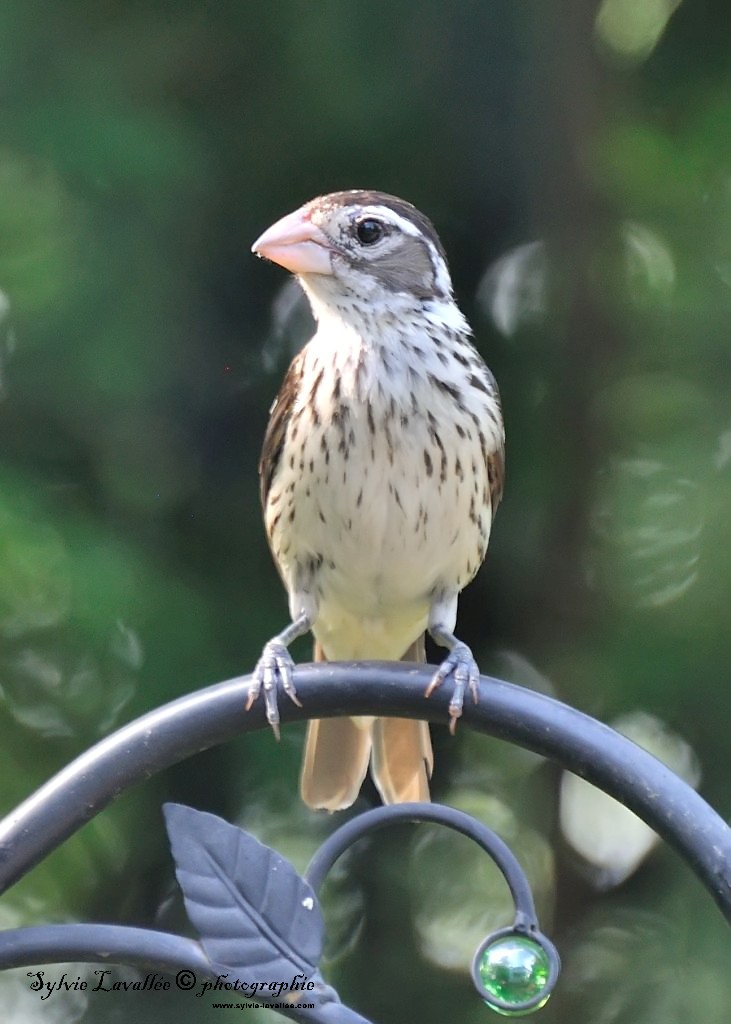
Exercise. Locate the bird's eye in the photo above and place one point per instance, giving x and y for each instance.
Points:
(368, 230)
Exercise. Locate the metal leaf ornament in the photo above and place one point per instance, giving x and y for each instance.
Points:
(256, 917)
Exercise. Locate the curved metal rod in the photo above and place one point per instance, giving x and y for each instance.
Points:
(102, 943)
(141, 947)
(381, 817)
(175, 731)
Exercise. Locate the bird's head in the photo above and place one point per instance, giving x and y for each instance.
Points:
(359, 245)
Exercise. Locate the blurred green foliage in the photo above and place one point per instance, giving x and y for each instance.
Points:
(575, 158)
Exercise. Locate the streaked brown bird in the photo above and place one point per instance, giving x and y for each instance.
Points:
(381, 471)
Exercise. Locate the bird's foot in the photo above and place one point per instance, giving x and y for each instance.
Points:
(275, 667)
(461, 665)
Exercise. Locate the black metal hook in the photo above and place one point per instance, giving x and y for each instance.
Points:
(522, 941)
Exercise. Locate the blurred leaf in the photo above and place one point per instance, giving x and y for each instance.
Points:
(35, 566)
(631, 30)
(40, 228)
(612, 840)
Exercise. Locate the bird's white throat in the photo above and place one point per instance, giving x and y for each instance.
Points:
(416, 338)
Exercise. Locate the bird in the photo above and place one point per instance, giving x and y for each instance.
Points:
(381, 470)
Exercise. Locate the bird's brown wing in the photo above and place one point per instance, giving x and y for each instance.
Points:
(495, 462)
(276, 432)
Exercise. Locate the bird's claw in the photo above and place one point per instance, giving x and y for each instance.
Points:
(461, 665)
(274, 667)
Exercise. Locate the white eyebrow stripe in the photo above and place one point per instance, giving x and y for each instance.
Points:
(442, 279)
(391, 217)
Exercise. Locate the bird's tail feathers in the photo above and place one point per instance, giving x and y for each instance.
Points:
(337, 752)
(401, 757)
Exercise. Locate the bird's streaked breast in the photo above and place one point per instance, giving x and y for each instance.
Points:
(385, 489)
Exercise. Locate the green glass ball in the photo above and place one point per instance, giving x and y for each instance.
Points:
(515, 970)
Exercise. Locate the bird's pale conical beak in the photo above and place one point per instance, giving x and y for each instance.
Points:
(296, 244)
